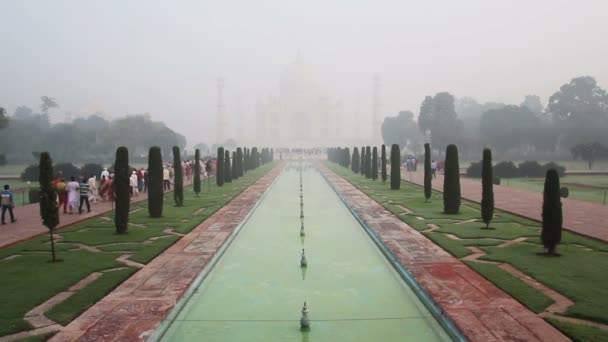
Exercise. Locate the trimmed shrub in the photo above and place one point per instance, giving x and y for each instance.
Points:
(451, 181)
(531, 169)
(383, 164)
(48, 205)
(375, 163)
(33, 195)
(362, 161)
(561, 170)
(487, 188)
(395, 167)
(506, 169)
(564, 192)
(368, 162)
(3, 160)
(474, 170)
(356, 161)
(496, 180)
(178, 190)
(551, 234)
(31, 173)
(155, 182)
(227, 168)
(196, 185)
(235, 165)
(239, 158)
(121, 188)
(91, 169)
(219, 167)
(428, 173)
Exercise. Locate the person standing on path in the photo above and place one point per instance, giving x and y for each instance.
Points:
(84, 195)
(62, 195)
(73, 194)
(434, 168)
(92, 183)
(166, 178)
(134, 184)
(8, 203)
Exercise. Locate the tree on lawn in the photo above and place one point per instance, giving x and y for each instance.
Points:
(362, 161)
(48, 203)
(589, 152)
(197, 172)
(368, 162)
(383, 164)
(178, 191)
(451, 181)
(428, 175)
(395, 167)
(239, 158)
(122, 188)
(235, 165)
(356, 163)
(375, 163)
(227, 168)
(155, 182)
(551, 234)
(487, 188)
(219, 167)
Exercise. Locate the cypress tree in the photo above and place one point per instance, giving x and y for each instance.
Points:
(121, 187)
(197, 172)
(551, 234)
(347, 157)
(395, 167)
(155, 182)
(239, 158)
(428, 173)
(272, 154)
(375, 163)
(49, 211)
(362, 161)
(451, 181)
(235, 166)
(227, 168)
(245, 160)
(356, 162)
(383, 164)
(487, 188)
(219, 167)
(368, 162)
(178, 191)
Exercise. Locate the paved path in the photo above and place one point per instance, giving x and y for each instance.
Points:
(581, 217)
(136, 307)
(29, 223)
(481, 310)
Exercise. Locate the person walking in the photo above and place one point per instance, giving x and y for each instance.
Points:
(7, 202)
(60, 187)
(84, 195)
(434, 168)
(166, 178)
(134, 184)
(73, 194)
(92, 183)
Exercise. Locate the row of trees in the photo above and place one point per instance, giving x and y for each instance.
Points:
(243, 160)
(575, 114)
(552, 210)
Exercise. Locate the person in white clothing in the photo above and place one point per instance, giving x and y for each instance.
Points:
(133, 183)
(92, 182)
(105, 172)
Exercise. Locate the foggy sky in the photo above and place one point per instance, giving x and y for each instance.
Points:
(163, 57)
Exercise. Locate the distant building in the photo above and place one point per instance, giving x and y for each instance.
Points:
(301, 115)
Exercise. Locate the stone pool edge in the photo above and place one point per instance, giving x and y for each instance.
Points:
(479, 309)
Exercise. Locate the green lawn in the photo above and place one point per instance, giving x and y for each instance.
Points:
(12, 169)
(579, 273)
(576, 191)
(29, 279)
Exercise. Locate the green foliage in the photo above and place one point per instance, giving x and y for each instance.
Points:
(451, 181)
(487, 188)
(178, 191)
(589, 152)
(121, 188)
(155, 182)
(375, 163)
(219, 172)
(368, 162)
(579, 332)
(362, 161)
(551, 234)
(91, 169)
(401, 130)
(383, 164)
(438, 115)
(227, 168)
(31, 172)
(34, 195)
(356, 161)
(196, 185)
(48, 205)
(239, 158)
(395, 167)
(428, 175)
(235, 165)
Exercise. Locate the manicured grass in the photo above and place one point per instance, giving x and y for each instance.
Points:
(12, 169)
(64, 312)
(580, 333)
(529, 296)
(38, 338)
(576, 192)
(579, 274)
(29, 279)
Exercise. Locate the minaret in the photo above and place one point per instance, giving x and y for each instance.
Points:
(377, 118)
(221, 115)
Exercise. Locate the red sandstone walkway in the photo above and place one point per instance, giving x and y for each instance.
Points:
(29, 223)
(581, 217)
(481, 310)
(136, 307)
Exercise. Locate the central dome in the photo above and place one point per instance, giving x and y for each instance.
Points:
(298, 81)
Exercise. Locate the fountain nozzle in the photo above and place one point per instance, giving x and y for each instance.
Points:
(304, 321)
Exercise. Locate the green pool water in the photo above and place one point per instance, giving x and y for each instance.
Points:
(256, 290)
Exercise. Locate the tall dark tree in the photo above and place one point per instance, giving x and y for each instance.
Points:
(375, 163)
(235, 166)
(368, 162)
(451, 181)
(155, 182)
(227, 168)
(362, 161)
(428, 175)
(219, 167)
(239, 158)
(197, 172)
(395, 167)
(551, 234)
(347, 160)
(245, 160)
(48, 205)
(178, 190)
(356, 163)
(383, 163)
(121, 187)
(487, 188)
(589, 152)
